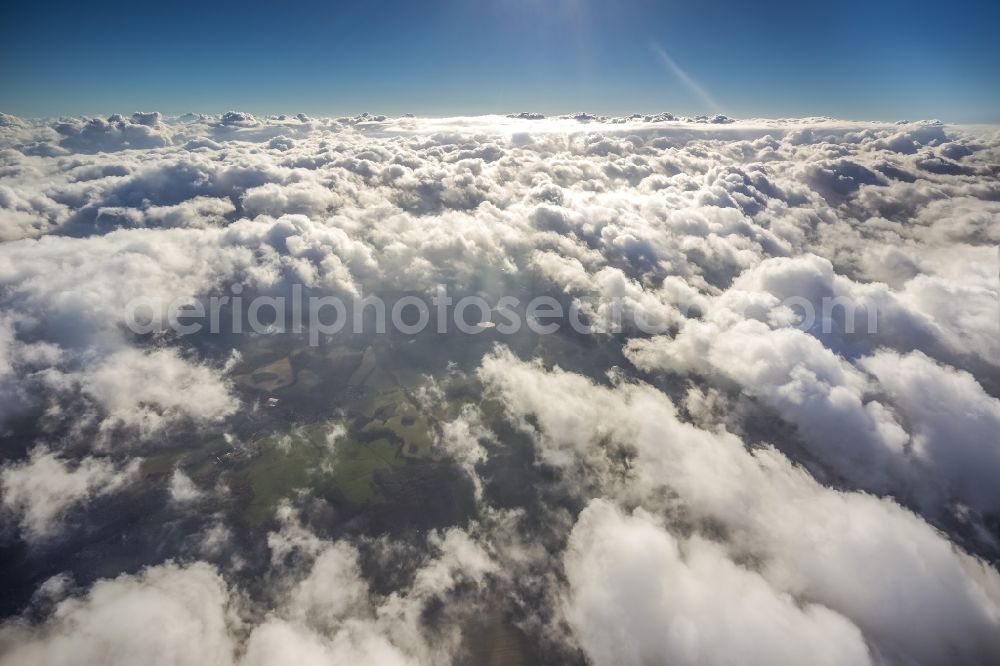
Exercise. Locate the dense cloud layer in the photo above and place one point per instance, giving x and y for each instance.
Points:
(786, 452)
(784, 537)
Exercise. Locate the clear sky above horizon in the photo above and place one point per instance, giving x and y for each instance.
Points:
(867, 60)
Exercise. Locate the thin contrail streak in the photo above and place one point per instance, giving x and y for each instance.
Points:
(684, 78)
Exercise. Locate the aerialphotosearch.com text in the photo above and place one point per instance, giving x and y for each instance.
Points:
(321, 316)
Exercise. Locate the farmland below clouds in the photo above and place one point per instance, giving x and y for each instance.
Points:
(779, 446)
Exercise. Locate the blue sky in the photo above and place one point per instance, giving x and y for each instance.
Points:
(851, 59)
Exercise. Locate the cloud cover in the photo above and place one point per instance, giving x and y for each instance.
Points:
(745, 484)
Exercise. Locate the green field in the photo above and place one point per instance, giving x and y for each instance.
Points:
(302, 461)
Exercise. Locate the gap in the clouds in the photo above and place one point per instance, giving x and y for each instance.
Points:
(294, 395)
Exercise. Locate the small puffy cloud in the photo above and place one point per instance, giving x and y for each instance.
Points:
(276, 200)
(96, 135)
(281, 143)
(238, 118)
(953, 424)
(112, 623)
(146, 391)
(637, 595)
(182, 489)
(41, 490)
